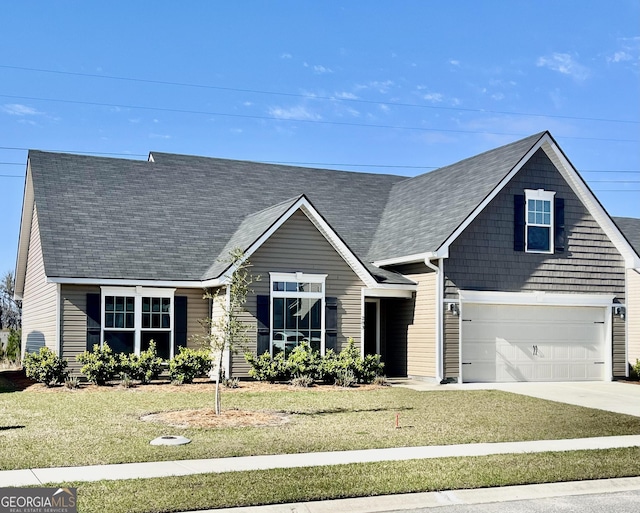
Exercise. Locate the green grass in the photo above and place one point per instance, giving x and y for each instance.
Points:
(42, 429)
(318, 483)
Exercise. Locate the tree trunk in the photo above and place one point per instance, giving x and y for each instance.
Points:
(218, 398)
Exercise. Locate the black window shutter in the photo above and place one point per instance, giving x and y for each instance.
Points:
(518, 222)
(331, 323)
(559, 242)
(179, 323)
(263, 318)
(93, 320)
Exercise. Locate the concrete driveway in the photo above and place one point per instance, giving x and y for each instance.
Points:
(615, 396)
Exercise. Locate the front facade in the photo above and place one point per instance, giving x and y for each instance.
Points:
(503, 267)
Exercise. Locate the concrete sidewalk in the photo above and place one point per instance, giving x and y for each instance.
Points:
(40, 476)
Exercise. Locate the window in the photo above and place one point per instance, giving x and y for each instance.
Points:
(539, 221)
(297, 306)
(132, 317)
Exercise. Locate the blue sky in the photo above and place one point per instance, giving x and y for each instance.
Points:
(393, 87)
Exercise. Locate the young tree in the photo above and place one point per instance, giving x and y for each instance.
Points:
(10, 309)
(226, 331)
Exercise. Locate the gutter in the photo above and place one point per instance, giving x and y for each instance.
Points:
(438, 269)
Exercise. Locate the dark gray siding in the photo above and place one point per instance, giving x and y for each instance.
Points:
(482, 258)
(73, 322)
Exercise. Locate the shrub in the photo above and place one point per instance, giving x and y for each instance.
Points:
(345, 378)
(46, 367)
(231, 382)
(127, 366)
(12, 348)
(99, 365)
(188, 364)
(303, 381)
(636, 369)
(266, 368)
(72, 383)
(370, 368)
(381, 381)
(304, 361)
(149, 364)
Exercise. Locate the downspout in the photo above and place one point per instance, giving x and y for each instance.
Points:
(439, 300)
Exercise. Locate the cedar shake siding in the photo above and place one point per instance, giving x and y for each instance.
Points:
(483, 257)
(632, 316)
(298, 246)
(73, 319)
(412, 331)
(39, 307)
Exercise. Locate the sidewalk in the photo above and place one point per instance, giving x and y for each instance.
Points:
(40, 476)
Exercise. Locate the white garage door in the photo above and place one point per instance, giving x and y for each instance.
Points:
(532, 343)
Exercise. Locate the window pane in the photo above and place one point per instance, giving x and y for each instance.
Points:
(531, 205)
(166, 304)
(119, 319)
(119, 304)
(129, 320)
(291, 286)
(108, 303)
(315, 340)
(146, 320)
(120, 341)
(531, 217)
(162, 340)
(278, 313)
(155, 304)
(146, 304)
(291, 309)
(303, 313)
(278, 286)
(547, 218)
(538, 238)
(108, 320)
(166, 321)
(538, 218)
(547, 206)
(315, 287)
(316, 320)
(130, 304)
(155, 320)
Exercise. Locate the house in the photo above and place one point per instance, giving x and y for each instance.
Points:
(501, 267)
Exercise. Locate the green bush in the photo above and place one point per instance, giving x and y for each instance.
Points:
(149, 364)
(266, 368)
(45, 367)
(12, 347)
(304, 362)
(99, 365)
(188, 364)
(636, 369)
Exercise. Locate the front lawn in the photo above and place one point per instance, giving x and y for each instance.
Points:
(103, 425)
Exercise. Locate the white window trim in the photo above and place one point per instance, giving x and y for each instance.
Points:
(539, 194)
(137, 293)
(297, 277)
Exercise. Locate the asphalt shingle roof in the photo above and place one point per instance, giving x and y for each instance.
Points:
(176, 217)
(630, 228)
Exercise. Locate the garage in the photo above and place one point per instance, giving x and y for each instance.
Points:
(508, 337)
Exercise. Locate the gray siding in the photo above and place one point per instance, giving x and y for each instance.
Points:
(451, 351)
(619, 357)
(482, 258)
(39, 306)
(633, 314)
(73, 319)
(73, 322)
(299, 247)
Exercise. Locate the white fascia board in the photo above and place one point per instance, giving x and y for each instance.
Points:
(443, 250)
(539, 298)
(581, 189)
(25, 234)
(134, 283)
(407, 259)
(402, 293)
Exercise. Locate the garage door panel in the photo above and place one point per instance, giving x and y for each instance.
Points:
(532, 343)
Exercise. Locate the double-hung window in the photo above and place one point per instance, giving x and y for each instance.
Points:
(297, 311)
(133, 316)
(539, 205)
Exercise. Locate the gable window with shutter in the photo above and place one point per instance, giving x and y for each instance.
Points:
(538, 222)
(293, 313)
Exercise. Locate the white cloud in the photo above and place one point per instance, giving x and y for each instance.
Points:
(135, 120)
(434, 97)
(296, 112)
(564, 63)
(247, 104)
(322, 69)
(382, 86)
(286, 55)
(384, 107)
(159, 136)
(454, 62)
(344, 95)
(17, 109)
(620, 57)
